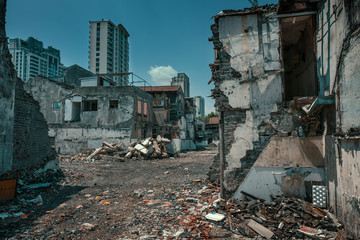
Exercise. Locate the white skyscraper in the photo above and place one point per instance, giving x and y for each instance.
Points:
(31, 59)
(109, 50)
(182, 80)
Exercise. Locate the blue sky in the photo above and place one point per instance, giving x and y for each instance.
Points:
(166, 36)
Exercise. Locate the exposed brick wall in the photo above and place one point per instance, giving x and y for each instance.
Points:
(31, 141)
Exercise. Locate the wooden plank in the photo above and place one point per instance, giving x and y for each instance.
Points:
(260, 229)
(95, 153)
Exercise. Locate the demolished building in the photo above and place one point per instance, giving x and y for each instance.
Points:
(286, 87)
(81, 118)
(173, 115)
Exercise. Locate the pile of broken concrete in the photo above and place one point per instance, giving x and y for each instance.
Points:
(148, 148)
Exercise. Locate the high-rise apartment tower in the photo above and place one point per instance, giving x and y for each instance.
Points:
(109, 50)
(200, 106)
(182, 80)
(31, 59)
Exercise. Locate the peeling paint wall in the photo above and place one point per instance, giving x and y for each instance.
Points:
(338, 50)
(7, 96)
(248, 83)
(349, 86)
(343, 177)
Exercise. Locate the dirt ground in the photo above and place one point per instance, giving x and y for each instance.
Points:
(135, 199)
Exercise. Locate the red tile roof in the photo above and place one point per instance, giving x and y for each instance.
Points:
(213, 120)
(160, 89)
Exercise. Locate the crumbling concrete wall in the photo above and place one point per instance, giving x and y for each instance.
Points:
(48, 92)
(74, 140)
(248, 86)
(342, 174)
(341, 45)
(7, 96)
(32, 150)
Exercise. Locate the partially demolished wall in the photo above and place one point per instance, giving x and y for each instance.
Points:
(31, 142)
(248, 88)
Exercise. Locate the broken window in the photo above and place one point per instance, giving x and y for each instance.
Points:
(298, 49)
(113, 104)
(90, 105)
(56, 106)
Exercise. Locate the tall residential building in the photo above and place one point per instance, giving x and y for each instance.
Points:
(109, 50)
(32, 59)
(182, 80)
(200, 106)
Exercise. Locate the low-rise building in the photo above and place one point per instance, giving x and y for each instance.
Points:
(83, 117)
(171, 115)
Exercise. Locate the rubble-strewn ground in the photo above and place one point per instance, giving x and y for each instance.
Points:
(152, 199)
(108, 200)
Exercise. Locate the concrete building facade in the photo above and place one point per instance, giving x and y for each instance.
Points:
(182, 80)
(109, 50)
(200, 106)
(30, 59)
(286, 88)
(81, 118)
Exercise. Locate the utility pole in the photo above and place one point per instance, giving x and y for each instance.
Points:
(222, 157)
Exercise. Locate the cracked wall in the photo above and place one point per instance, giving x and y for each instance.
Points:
(248, 84)
(338, 52)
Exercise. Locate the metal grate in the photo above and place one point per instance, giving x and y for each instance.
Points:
(319, 196)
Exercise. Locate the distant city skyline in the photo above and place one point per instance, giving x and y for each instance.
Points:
(167, 37)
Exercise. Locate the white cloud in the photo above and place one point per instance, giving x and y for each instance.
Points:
(162, 75)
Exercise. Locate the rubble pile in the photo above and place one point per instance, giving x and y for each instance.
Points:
(148, 148)
(199, 214)
(282, 218)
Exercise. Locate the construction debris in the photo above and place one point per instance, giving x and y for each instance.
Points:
(148, 148)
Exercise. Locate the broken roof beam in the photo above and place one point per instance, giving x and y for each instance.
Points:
(287, 15)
